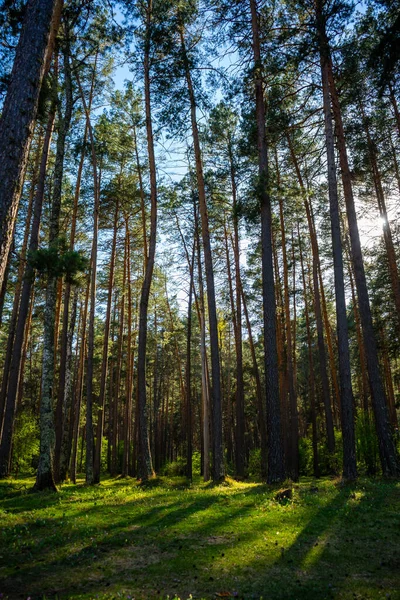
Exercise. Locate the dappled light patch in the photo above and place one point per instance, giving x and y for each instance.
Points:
(202, 541)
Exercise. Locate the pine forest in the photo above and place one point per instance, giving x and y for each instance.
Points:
(199, 299)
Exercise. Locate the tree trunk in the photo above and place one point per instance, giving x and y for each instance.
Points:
(104, 365)
(317, 305)
(310, 365)
(216, 401)
(276, 468)
(63, 373)
(18, 287)
(387, 450)
(45, 477)
(346, 391)
(32, 60)
(145, 470)
(292, 460)
(15, 367)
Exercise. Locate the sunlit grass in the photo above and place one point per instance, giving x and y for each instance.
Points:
(122, 539)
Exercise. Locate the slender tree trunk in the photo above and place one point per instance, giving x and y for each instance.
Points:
(63, 373)
(216, 413)
(104, 365)
(260, 405)
(15, 367)
(93, 283)
(189, 417)
(129, 374)
(346, 391)
(240, 415)
(32, 60)
(311, 386)
(18, 288)
(292, 460)
(145, 470)
(276, 468)
(387, 450)
(45, 477)
(79, 386)
(204, 370)
(65, 447)
(317, 305)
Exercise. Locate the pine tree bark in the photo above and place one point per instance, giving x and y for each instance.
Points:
(32, 60)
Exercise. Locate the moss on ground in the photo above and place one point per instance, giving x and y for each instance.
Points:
(125, 540)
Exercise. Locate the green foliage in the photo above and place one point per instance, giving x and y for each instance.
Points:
(58, 261)
(305, 456)
(254, 466)
(26, 442)
(367, 443)
(175, 468)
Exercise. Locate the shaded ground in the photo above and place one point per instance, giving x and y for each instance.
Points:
(123, 540)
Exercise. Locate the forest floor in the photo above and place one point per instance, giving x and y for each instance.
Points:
(170, 538)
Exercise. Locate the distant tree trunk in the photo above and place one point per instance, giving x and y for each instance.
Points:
(317, 305)
(104, 365)
(79, 386)
(45, 476)
(114, 455)
(364, 387)
(18, 287)
(15, 366)
(240, 415)
(93, 282)
(346, 391)
(129, 374)
(65, 448)
(189, 418)
(145, 470)
(63, 373)
(276, 467)
(292, 460)
(32, 60)
(387, 450)
(216, 412)
(205, 403)
(311, 385)
(260, 405)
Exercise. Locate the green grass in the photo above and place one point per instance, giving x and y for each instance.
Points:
(124, 540)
